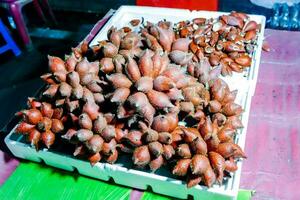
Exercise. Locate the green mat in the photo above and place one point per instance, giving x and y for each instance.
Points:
(34, 182)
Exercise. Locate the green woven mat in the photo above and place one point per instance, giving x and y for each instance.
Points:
(34, 182)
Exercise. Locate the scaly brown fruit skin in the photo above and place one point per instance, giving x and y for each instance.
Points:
(69, 134)
(44, 124)
(229, 149)
(34, 137)
(175, 94)
(199, 164)
(155, 148)
(109, 50)
(172, 118)
(165, 137)
(120, 95)
(130, 41)
(33, 103)
(134, 138)
(94, 158)
(114, 36)
(214, 106)
(156, 163)
(70, 63)
(168, 151)
(108, 133)
(113, 157)
(234, 122)
(141, 156)
(140, 102)
(181, 167)
(120, 134)
(250, 35)
(56, 64)
(187, 107)
(226, 134)
(176, 136)
(109, 147)
(94, 145)
(106, 65)
(64, 90)
(161, 123)
(92, 109)
(82, 67)
(266, 46)
(48, 138)
(193, 180)
(209, 177)
(57, 113)
(32, 116)
(213, 141)
(85, 122)
(190, 134)
(165, 37)
(180, 57)
(135, 22)
(73, 79)
(181, 44)
(77, 92)
(132, 70)
(251, 25)
(93, 86)
(199, 146)
(157, 63)
(84, 135)
(243, 60)
(144, 84)
(218, 165)
(46, 110)
(24, 128)
(60, 76)
(149, 135)
(230, 97)
(159, 99)
(206, 129)
(119, 80)
(163, 83)
(146, 64)
(57, 126)
(183, 151)
(99, 124)
(230, 165)
(220, 118)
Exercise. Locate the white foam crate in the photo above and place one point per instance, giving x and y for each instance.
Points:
(160, 181)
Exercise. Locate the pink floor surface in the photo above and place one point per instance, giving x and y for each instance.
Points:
(273, 137)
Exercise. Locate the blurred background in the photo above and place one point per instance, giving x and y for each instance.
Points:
(41, 27)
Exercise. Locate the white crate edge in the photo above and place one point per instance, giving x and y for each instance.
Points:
(139, 179)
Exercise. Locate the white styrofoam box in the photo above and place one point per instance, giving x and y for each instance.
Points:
(162, 181)
(245, 81)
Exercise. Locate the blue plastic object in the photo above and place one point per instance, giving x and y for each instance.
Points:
(284, 18)
(295, 21)
(274, 21)
(10, 43)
